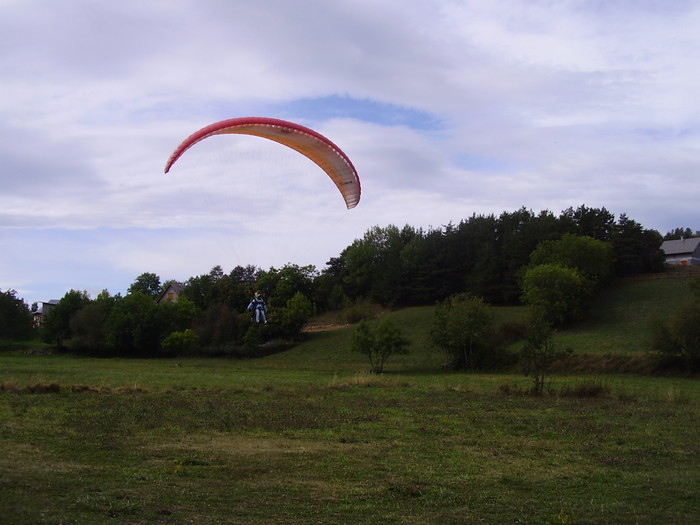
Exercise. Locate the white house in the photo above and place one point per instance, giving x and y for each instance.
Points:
(682, 251)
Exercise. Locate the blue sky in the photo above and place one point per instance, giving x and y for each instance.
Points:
(447, 108)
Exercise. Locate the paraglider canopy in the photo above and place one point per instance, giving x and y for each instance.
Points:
(315, 146)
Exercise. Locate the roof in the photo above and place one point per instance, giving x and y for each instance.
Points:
(175, 286)
(678, 246)
(45, 306)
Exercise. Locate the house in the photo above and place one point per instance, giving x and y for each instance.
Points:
(44, 308)
(171, 292)
(682, 251)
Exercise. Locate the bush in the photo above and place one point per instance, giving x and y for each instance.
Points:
(360, 311)
(254, 337)
(379, 341)
(180, 343)
(464, 328)
(679, 341)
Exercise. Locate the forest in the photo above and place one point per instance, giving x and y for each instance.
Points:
(502, 259)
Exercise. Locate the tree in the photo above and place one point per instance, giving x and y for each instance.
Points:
(219, 325)
(475, 258)
(517, 235)
(425, 269)
(88, 326)
(464, 328)
(372, 266)
(56, 327)
(636, 250)
(539, 352)
(597, 223)
(281, 285)
(148, 284)
(379, 341)
(679, 233)
(295, 315)
(560, 293)
(15, 317)
(593, 258)
(135, 327)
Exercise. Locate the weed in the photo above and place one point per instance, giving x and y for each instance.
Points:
(563, 518)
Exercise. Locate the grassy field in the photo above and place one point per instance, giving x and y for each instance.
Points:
(307, 436)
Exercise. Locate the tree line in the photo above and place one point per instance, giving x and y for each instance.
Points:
(506, 259)
(483, 255)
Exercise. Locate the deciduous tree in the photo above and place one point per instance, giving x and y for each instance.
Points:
(560, 293)
(148, 284)
(540, 352)
(15, 317)
(464, 328)
(379, 341)
(593, 258)
(56, 327)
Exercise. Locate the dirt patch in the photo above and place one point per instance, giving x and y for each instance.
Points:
(324, 327)
(239, 445)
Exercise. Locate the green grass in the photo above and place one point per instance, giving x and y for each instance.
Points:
(379, 451)
(307, 436)
(620, 317)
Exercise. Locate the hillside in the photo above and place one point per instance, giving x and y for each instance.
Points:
(617, 327)
(619, 320)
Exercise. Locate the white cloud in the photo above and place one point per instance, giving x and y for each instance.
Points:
(447, 108)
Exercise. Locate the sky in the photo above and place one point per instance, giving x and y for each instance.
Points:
(447, 108)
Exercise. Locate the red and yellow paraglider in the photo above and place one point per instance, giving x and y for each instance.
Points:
(329, 157)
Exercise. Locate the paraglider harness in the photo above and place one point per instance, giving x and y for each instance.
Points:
(258, 309)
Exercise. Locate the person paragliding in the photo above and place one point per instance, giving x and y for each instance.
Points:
(257, 306)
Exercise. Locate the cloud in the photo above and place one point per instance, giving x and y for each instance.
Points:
(446, 108)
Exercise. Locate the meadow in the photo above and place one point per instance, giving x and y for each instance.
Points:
(308, 436)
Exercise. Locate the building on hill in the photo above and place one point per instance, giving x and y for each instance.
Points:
(682, 251)
(171, 293)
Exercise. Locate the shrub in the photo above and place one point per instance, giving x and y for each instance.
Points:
(379, 341)
(464, 328)
(679, 341)
(361, 310)
(180, 343)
